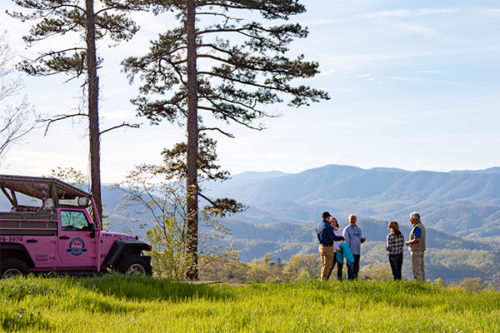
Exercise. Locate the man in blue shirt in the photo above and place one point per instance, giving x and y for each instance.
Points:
(353, 238)
(326, 237)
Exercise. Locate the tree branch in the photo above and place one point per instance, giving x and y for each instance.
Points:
(60, 117)
(254, 84)
(118, 126)
(204, 197)
(216, 109)
(218, 130)
(215, 48)
(60, 51)
(251, 107)
(174, 66)
(32, 40)
(227, 17)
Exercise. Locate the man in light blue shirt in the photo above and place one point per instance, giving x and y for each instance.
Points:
(353, 237)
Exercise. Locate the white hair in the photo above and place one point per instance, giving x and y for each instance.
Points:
(351, 215)
(415, 216)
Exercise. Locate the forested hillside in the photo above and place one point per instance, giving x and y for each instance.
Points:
(464, 203)
(448, 257)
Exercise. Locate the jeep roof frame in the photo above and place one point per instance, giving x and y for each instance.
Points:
(55, 189)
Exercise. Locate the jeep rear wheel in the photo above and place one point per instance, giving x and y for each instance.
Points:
(135, 265)
(13, 267)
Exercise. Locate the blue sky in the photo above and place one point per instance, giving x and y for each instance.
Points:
(414, 85)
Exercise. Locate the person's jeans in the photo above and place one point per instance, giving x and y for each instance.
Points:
(352, 270)
(339, 268)
(339, 271)
(396, 261)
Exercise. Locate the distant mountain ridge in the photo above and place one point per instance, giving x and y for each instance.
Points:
(465, 203)
(493, 170)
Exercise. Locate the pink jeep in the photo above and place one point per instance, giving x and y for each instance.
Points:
(51, 229)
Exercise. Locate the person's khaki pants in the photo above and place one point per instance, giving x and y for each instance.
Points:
(418, 266)
(326, 253)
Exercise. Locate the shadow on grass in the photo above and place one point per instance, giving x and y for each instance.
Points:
(22, 320)
(20, 287)
(363, 287)
(148, 288)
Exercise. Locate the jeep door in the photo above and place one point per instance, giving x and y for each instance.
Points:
(77, 244)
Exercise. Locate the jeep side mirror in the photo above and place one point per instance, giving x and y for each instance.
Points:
(92, 230)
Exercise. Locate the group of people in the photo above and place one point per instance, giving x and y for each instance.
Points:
(336, 245)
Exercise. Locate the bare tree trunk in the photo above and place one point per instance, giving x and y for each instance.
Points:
(192, 146)
(93, 105)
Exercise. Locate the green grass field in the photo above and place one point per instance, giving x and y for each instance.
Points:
(116, 303)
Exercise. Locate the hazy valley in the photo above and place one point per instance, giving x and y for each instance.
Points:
(461, 209)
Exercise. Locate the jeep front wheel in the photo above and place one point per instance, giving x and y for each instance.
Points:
(13, 267)
(135, 265)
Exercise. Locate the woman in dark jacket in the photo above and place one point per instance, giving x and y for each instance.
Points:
(394, 245)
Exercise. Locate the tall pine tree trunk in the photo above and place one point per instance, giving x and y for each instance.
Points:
(93, 108)
(192, 145)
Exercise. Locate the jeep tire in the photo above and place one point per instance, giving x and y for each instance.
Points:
(11, 267)
(134, 265)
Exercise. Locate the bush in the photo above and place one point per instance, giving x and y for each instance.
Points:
(476, 285)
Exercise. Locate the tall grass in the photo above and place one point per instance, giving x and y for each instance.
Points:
(115, 303)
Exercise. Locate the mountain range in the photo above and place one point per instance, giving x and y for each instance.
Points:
(460, 209)
(463, 203)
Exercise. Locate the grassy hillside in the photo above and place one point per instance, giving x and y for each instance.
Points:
(116, 304)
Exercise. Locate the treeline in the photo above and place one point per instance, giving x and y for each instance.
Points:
(225, 266)
(448, 264)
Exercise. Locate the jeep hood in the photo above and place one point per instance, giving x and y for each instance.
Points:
(115, 235)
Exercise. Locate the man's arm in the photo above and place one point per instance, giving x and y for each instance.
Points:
(338, 238)
(417, 235)
(333, 236)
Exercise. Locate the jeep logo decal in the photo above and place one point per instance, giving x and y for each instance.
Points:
(76, 247)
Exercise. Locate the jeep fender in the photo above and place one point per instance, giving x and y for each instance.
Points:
(14, 250)
(123, 247)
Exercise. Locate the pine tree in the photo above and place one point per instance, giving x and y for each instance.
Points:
(90, 20)
(229, 69)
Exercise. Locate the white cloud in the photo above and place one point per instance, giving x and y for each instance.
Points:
(401, 78)
(348, 61)
(409, 13)
(495, 12)
(319, 22)
(333, 60)
(327, 72)
(366, 76)
(415, 28)
(431, 72)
